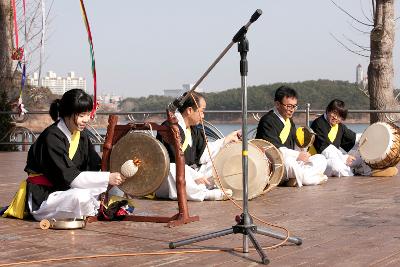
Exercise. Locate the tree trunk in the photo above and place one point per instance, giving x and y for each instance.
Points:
(5, 71)
(380, 69)
(5, 43)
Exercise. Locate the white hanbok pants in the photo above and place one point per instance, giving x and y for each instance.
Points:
(306, 173)
(194, 191)
(81, 200)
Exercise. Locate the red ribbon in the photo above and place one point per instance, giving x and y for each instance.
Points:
(90, 40)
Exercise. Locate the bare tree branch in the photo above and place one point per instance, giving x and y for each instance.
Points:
(363, 48)
(365, 16)
(347, 48)
(357, 29)
(348, 14)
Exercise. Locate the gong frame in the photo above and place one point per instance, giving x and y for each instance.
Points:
(171, 135)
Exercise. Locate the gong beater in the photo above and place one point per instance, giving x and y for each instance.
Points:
(152, 158)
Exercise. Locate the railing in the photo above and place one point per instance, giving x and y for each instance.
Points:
(23, 137)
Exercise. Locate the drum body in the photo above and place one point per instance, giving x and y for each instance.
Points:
(228, 170)
(379, 145)
(275, 160)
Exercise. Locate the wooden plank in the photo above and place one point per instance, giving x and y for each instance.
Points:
(349, 221)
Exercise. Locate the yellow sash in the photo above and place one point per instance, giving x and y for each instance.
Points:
(188, 135)
(17, 207)
(73, 146)
(333, 132)
(331, 136)
(285, 131)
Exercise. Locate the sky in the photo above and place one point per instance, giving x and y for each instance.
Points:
(144, 47)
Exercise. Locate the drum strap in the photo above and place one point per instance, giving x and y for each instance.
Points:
(188, 135)
(285, 131)
(333, 132)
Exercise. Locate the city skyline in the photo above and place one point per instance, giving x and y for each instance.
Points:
(148, 47)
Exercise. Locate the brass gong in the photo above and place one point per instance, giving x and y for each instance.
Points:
(153, 164)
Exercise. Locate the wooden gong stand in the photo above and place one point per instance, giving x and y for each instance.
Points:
(171, 135)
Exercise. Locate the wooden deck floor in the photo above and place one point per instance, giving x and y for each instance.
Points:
(351, 221)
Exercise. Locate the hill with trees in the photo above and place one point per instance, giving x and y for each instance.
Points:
(318, 93)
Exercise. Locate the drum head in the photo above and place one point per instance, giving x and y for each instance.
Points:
(376, 142)
(228, 164)
(275, 159)
(153, 167)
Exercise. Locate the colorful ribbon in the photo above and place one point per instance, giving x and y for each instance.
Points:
(85, 20)
(41, 55)
(18, 52)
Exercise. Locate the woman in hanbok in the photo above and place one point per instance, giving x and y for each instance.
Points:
(64, 180)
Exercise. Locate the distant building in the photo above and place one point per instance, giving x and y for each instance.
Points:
(173, 92)
(188, 86)
(359, 74)
(110, 99)
(177, 92)
(58, 85)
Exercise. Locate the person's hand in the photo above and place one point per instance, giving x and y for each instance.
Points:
(303, 156)
(116, 178)
(203, 180)
(234, 136)
(350, 160)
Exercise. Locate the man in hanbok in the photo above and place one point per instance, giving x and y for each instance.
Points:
(278, 128)
(198, 166)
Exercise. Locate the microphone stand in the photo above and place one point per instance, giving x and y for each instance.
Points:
(244, 224)
(180, 100)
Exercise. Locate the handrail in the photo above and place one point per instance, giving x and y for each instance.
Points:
(29, 136)
(311, 111)
(123, 113)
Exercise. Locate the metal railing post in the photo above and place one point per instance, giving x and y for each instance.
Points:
(308, 114)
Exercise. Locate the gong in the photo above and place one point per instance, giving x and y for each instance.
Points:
(152, 158)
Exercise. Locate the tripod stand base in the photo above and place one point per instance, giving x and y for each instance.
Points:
(291, 239)
(248, 230)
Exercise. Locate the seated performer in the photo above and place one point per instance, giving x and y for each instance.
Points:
(198, 167)
(331, 135)
(278, 128)
(63, 167)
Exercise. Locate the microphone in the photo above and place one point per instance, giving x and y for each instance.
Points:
(256, 15)
(243, 30)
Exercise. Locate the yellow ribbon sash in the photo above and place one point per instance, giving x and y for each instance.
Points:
(333, 132)
(17, 206)
(188, 135)
(285, 131)
(73, 146)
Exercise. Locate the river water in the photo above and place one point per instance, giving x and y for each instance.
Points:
(228, 128)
